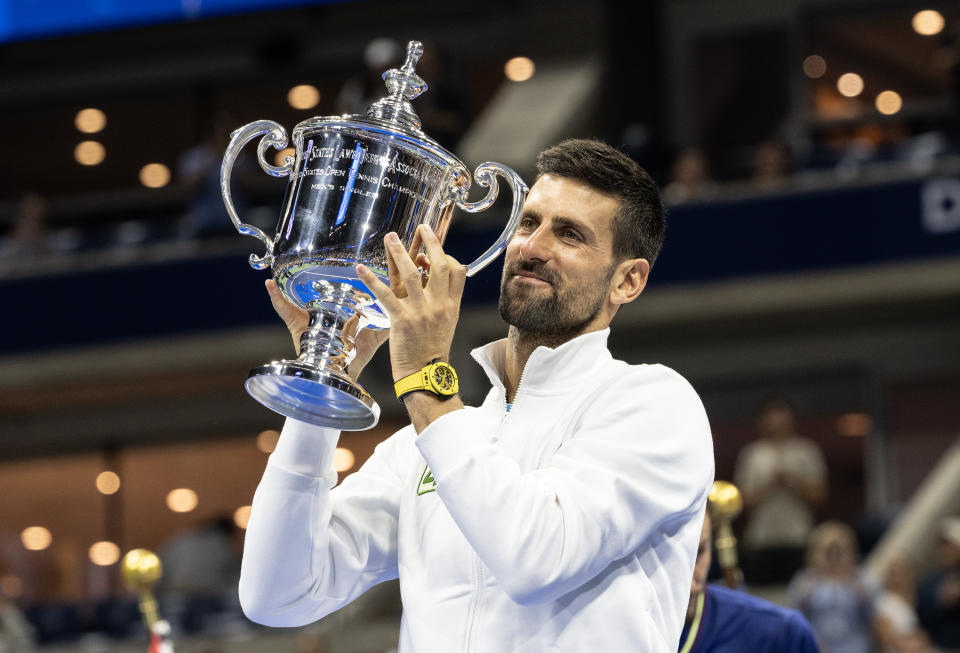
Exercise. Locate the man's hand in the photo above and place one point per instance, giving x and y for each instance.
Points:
(423, 316)
(368, 341)
(298, 321)
(296, 318)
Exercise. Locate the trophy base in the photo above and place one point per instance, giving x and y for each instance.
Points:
(313, 395)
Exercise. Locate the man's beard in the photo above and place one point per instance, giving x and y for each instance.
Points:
(557, 315)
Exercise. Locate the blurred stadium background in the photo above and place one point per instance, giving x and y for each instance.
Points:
(810, 152)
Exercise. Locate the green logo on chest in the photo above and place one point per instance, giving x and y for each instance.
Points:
(427, 482)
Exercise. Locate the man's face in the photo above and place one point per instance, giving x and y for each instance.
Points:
(948, 553)
(777, 421)
(559, 263)
(702, 567)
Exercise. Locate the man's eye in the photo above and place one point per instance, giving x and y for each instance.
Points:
(570, 234)
(526, 223)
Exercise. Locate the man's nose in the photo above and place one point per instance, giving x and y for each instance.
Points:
(537, 245)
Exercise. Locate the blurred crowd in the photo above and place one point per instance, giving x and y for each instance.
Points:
(867, 150)
(36, 232)
(850, 612)
(814, 566)
(198, 211)
(783, 479)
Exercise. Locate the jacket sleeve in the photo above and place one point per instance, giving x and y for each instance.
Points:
(641, 461)
(310, 549)
(796, 636)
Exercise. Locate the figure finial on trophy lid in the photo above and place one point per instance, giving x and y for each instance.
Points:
(414, 52)
(403, 84)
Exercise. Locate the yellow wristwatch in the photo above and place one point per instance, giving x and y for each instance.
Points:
(438, 377)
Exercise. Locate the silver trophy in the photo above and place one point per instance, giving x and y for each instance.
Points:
(353, 180)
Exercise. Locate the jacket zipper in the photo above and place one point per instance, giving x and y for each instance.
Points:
(477, 571)
(516, 398)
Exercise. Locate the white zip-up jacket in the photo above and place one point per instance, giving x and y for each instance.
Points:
(568, 523)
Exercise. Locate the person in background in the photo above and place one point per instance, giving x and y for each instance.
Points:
(938, 597)
(360, 91)
(308, 642)
(895, 622)
(832, 592)
(783, 478)
(690, 180)
(198, 172)
(16, 633)
(444, 110)
(200, 571)
(723, 620)
(771, 165)
(28, 237)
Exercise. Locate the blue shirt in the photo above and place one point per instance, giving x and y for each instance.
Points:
(736, 622)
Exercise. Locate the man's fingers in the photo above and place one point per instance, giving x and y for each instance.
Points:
(292, 315)
(458, 278)
(419, 258)
(295, 318)
(393, 274)
(280, 303)
(415, 245)
(439, 269)
(275, 295)
(406, 270)
(380, 290)
(350, 329)
(423, 264)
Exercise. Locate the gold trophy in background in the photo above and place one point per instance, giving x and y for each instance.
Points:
(141, 571)
(725, 503)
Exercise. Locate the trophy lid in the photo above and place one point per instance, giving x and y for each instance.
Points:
(392, 118)
(403, 84)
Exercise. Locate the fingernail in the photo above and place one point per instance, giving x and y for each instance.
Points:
(393, 237)
(429, 229)
(361, 268)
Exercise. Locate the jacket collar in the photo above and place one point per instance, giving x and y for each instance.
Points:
(548, 370)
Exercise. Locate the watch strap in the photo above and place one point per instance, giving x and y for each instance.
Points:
(412, 382)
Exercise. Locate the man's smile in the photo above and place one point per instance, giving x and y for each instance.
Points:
(525, 276)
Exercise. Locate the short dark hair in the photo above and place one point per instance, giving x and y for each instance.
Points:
(775, 402)
(639, 226)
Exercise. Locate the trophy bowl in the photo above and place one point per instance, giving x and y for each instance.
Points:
(353, 180)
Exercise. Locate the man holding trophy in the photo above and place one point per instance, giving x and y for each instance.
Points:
(565, 511)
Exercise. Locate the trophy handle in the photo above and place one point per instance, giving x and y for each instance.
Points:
(486, 176)
(274, 135)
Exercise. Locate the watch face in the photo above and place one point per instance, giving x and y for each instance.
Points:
(444, 379)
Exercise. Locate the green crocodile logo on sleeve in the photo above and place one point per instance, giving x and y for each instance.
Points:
(427, 482)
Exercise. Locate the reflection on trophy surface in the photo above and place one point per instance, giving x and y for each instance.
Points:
(353, 180)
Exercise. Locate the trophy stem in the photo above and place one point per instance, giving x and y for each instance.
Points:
(330, 340)
(315, 387)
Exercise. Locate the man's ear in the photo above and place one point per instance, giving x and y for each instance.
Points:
(629, 280)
